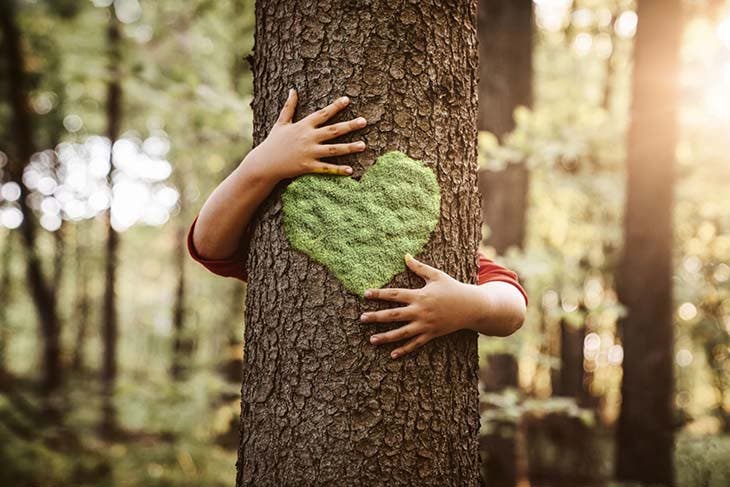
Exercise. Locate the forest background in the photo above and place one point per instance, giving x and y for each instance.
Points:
(120, 358)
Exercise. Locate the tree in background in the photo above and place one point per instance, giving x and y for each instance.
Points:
(505, 83)
(320, 404)
(5, 295)
(109, 316)
(644, 438)
(181, 344)
(24, 148)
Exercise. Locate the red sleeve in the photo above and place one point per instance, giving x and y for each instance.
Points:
(233, 266)
(491, 271)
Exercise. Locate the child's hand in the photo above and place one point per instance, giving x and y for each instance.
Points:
(445, 305)
(442, 306)
(293, 149)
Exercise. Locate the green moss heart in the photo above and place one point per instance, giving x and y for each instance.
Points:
(361, 230)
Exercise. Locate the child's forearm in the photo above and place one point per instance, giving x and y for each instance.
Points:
(498, 308)
(445, 305)
(290, 150)
(228, 210)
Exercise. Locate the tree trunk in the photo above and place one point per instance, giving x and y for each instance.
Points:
(82, 305)
(505, 82)
(644, 280)
(181, 345)
(232, 363)
(569, 379)
(499, 446)
(109, 310)
(40, 289)
(5, 298)
(321, 406)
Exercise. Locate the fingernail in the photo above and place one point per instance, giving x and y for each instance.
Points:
(291, 91)
(374, 339)
(345, 99)
(408, 257)
(348, 170)
(364, 317)
(394, 354)
(368, 293)
(361, 121)
(361, 145)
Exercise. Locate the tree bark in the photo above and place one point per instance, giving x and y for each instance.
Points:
(40, 289)
(644, 279)
(109, 307)
(321, 406)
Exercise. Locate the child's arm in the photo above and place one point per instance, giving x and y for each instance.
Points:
(291, 149)
(445, 305)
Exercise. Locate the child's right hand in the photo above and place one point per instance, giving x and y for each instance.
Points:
(293, 149)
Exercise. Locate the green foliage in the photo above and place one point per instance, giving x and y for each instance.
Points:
(362, 230)
(699, 461)
(185, 78)
(509, 406)
(703, 461)
(170, 437)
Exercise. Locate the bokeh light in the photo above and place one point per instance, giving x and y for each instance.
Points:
(72, 183)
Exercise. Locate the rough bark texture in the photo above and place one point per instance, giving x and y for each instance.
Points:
(110, 326)
(505, 82)
(25, 147)
(321, 406)
(644, 280)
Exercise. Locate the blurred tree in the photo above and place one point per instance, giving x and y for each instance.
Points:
(568, 381)
(109, 316)
(320, 403)
(645, 440)
(82, 299)
(24, 148)
(181, 344)
(5, 281)
(505, 82)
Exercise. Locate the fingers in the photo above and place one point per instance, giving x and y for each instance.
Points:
(403, 313)
(324, 168)
(342, 128)
(396, 335)
(322, 115)
(425, 271)
(287, 112)
(391, 294)
(411, 345)
(330, 150)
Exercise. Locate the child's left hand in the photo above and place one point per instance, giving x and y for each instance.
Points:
(442, 306)
(445, 305)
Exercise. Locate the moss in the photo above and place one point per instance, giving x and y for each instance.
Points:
(361, 230)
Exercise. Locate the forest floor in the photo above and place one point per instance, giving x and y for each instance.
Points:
(165, 442)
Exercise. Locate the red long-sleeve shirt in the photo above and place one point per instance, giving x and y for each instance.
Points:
(235, 265)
